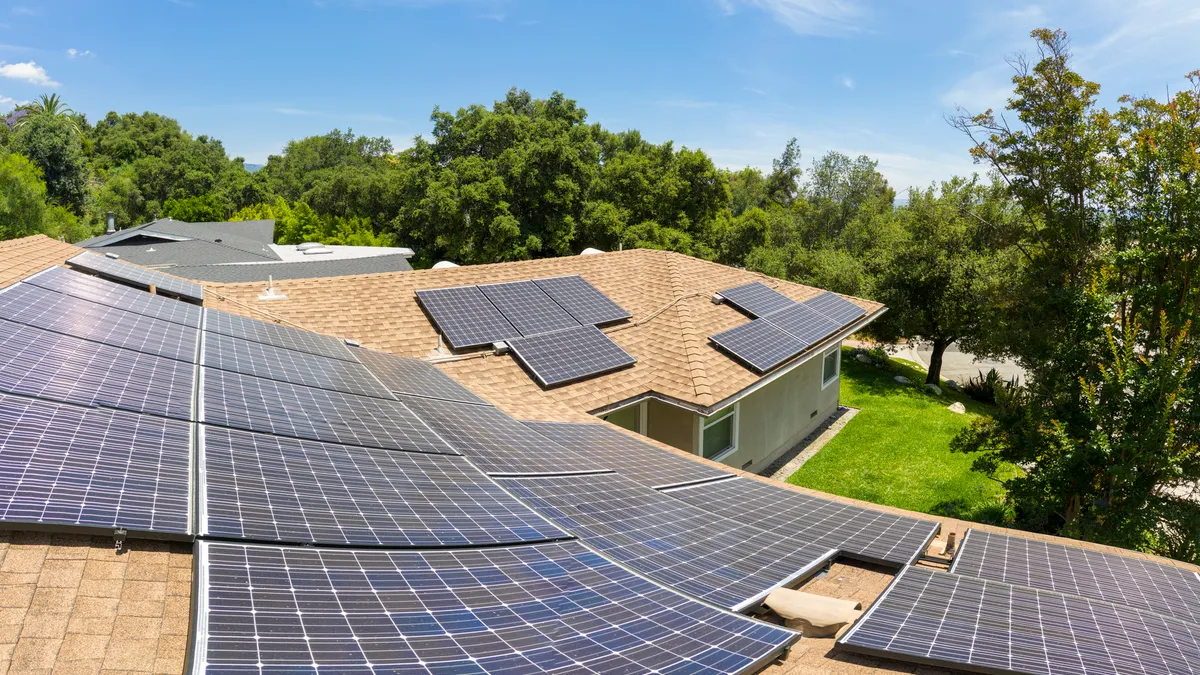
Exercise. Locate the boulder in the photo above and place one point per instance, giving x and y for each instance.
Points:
(902, 379)
(957, 407)
(861, 357)
(813, 615)
(933, 389)
(952, 385)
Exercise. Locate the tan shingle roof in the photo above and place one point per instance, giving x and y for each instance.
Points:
(669, 295)
(21, 257)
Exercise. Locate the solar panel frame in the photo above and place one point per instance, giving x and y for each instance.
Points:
(804, 323)
(759, 344)
(863, 534)
(71, 466)
(123, 271)
(582, 300)
(949, 620)
(555, 607)
(568, 355)
(269, 406)
(58, 313)
(724, 562)
(1142, 584)
(835, 308)
(276, 489)
(403, 375)
(465, 317)
(276, 363)
(527, 307)
(101, 291)
(756, 299)
(39, 363)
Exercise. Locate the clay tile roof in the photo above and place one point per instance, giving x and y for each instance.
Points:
(669, 295)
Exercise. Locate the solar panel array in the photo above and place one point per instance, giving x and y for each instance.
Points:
(1141, 584)
(944, 619)
(85, 287)
(864, 534)
(466, 317)
(276, 335)
(568, 355)
(403, 375)
(759, 344)
(705, 556)
(269, 488)
(582, 300)
(287, 365)
(756, 299)
(835, 307)
(527, 308)
(139, 276)
(528, 609)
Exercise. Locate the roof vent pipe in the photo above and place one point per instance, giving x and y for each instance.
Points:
(111, 219)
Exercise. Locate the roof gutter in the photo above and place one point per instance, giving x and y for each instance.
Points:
(707, 411)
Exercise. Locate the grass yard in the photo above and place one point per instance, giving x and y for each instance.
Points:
(896, 450)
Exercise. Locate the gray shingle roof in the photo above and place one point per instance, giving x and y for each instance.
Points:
(291, 270)
(246, 241)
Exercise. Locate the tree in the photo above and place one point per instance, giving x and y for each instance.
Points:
(55, 147)
(49, 106)
(782, 185)
(202, 209)
(22, 197)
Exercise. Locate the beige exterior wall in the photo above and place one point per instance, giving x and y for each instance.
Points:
(671, 425)
(626, 418)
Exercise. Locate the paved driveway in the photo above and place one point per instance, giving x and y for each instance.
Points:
(956, 364)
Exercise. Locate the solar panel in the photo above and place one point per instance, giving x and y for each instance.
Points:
(865, 534)
(274, 407)
(495, 442)
(403, 375)
(546, 608)
(527, 308)
(276, 335)
(95, 289)
(803, 323)
(465, 317)
(708, 557)
(91, 467)
(638, 461)
(271, 488)
(835, 307)
(759, 344)
(60, 313)
(140, 276)
(756, 299)
(36, 362)
(262, 360)
(582, 300)
(1141, 584)
(943, 619)
(568, 355)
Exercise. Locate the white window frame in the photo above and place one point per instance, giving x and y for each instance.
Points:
(706, 422)
(837, 368)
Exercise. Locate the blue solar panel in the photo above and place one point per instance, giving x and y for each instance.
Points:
(527, 308)
(276, 335)
(835, 307)
(546, 608)
(95, 289)
(582, 300)
(756, 299)
(803, 323)
(759, 344)
(403, 375)
(138, 276)
(571, 354)
(286, 365)
(465, 317)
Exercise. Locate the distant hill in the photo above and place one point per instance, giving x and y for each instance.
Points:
(252, 167)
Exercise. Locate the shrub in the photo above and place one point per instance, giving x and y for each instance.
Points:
(984, 387)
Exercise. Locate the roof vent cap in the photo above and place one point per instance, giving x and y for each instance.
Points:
(114, 256)
(590, 251)
(443, 264)
(309, 245)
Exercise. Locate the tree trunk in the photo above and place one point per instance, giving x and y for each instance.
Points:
(935, 362)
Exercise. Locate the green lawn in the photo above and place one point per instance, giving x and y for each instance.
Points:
(896, 450)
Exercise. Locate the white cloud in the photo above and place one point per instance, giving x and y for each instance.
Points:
(75, 53)
(29, 72)
(988, 88)
(847, 82)
(807, 17)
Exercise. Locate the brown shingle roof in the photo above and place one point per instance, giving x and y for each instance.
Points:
(669, 295)
(21, 257)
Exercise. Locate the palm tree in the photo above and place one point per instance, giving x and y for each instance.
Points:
(51, 105)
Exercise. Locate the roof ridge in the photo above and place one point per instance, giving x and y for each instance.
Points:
(693, 340)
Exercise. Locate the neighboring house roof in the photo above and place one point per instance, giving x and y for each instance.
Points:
(669, 294)
(257, 272)
(164, 254)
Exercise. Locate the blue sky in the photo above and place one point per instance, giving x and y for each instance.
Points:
(736, 78)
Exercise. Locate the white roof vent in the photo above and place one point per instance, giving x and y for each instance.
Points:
(443, 264)
(114, 256)
(317, 251)
(309, 245)
(590, 251)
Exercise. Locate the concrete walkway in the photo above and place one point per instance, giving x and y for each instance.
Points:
(789, 462)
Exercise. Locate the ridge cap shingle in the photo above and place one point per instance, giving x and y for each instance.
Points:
(692, 339)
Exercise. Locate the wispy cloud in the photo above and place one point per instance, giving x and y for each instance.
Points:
(24, 11)
(76, 54)
(27, 72)
(14, 48)
(847, 82)
(806, 17)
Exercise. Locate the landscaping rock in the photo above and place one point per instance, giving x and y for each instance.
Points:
(862, 358)
(957, 407)
(952, 385)
(933, 389)
(902, 379)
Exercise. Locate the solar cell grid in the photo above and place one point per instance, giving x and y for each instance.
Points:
(582, 300)
(835, 307)
(276, 335)
(756, 298)
(403, 375)
(1141, 584)
(38, 307)
(950, 620)
(95, 289)
(270, 406)
(270, 488)
(640, 462)
(138, 275)
(804, 323)
(495, 442)
(49, 365)
(524, 609)
(262, 360)
(571, 354)
(527, 308)
(465, 317)
(91, 467)
(865, 534)
(708, 557)
(759, 344)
